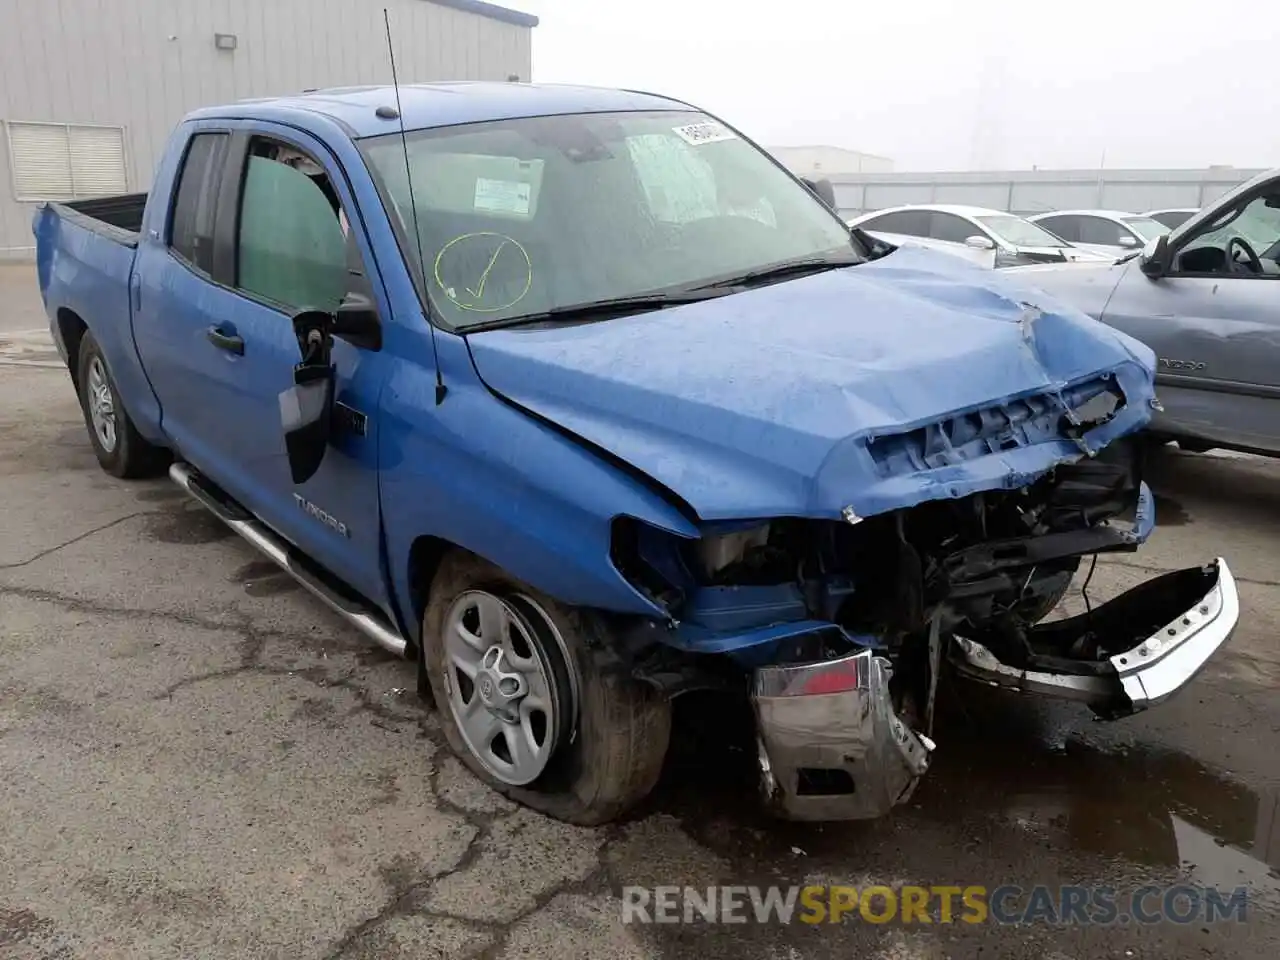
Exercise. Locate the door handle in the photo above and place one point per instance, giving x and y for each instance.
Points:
(230, 342)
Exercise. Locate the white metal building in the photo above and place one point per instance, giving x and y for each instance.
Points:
(827, 161)
(90, 89)
(1026, 192)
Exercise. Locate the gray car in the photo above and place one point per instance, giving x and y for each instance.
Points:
(1206, 299)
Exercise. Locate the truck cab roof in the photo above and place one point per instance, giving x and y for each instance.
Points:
(426, 105)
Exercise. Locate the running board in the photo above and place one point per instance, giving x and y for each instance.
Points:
(371, 624)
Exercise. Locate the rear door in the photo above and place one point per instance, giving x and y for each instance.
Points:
(1215, 330)
(170, 290)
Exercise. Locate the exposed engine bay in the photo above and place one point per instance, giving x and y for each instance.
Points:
(988, 565)
(842, 628)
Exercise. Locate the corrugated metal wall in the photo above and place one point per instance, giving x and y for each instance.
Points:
(143, 64)
(1027, 192)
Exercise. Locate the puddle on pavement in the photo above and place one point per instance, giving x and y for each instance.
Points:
(161, 494)
(262, 578)
(1170, 513)
(187, 523)
(1017, 773)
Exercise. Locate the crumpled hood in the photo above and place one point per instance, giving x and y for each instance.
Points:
(801, 398)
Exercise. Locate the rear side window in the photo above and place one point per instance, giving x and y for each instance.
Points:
(1100, 231)
(1065, 227)
(910, 223)
(191, 229)
(947, 226)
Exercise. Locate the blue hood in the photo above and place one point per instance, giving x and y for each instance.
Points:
(875, 387)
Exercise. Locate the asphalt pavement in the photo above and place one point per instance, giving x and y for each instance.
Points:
(197, 760)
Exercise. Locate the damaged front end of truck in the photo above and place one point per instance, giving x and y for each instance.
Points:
(842, 627)
(892, 470)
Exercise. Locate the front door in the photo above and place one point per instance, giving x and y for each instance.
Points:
(290, 246)
(1214, 322)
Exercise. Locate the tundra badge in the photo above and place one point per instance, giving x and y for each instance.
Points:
(309, 508)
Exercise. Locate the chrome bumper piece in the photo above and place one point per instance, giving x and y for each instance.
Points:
(1151, 671)
(831, 746)
(1166, 661)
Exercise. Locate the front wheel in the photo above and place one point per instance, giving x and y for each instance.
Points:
(528, 701)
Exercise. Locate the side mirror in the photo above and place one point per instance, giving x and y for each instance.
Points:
(356, 321)
(979, 242)
(306, 408)
(823, 190)
(1127, 240)
(1154, 259)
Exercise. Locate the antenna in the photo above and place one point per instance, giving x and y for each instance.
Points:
(441, 389)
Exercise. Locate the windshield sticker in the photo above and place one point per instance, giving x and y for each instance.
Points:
(706, 132)
(503, 196)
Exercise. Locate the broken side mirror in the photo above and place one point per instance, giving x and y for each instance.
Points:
(306, 408)
(1154, 259)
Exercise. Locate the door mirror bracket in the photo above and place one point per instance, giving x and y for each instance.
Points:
(306, 408)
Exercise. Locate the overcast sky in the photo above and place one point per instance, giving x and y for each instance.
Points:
(948, 84)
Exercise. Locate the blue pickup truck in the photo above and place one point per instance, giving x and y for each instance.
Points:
(580, 400)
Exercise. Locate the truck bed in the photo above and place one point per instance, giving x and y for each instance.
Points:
(118, 218)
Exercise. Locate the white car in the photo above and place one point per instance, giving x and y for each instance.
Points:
(1172, 217)
(990, 237)
(1110, 232)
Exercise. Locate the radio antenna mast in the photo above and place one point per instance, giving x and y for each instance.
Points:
(441, 390)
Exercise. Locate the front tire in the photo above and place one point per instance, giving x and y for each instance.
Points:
(120, 449)
(528, 700)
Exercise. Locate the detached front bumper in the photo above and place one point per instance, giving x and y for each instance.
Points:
(831, 746)
(1165, 630)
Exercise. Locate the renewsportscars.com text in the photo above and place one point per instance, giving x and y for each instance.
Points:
(1007, 904)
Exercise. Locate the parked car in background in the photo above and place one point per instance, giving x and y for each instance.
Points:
(1109, 232)
(582, 401)
(1173, 216)
(1206, 299)
(991, 237)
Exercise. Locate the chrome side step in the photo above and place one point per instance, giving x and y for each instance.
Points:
(372, 625)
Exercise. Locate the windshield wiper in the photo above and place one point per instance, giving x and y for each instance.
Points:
(781, 271)
(596, 309)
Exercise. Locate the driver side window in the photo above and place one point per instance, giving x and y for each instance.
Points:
(294, 244)
(1253, 228)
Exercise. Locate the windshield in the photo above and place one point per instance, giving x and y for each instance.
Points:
(1021, 233)
(518, 217)
(1145, 227)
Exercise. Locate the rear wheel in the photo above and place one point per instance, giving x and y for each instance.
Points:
(528, 702)
(120, 449)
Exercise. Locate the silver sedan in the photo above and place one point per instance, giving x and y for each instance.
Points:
(1206, 299)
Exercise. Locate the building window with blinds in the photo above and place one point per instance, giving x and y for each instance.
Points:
(66, 161)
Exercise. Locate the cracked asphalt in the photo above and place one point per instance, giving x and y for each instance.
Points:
(197, 760)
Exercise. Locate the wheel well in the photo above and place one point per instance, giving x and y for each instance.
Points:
(424, 560)
(72, 329)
